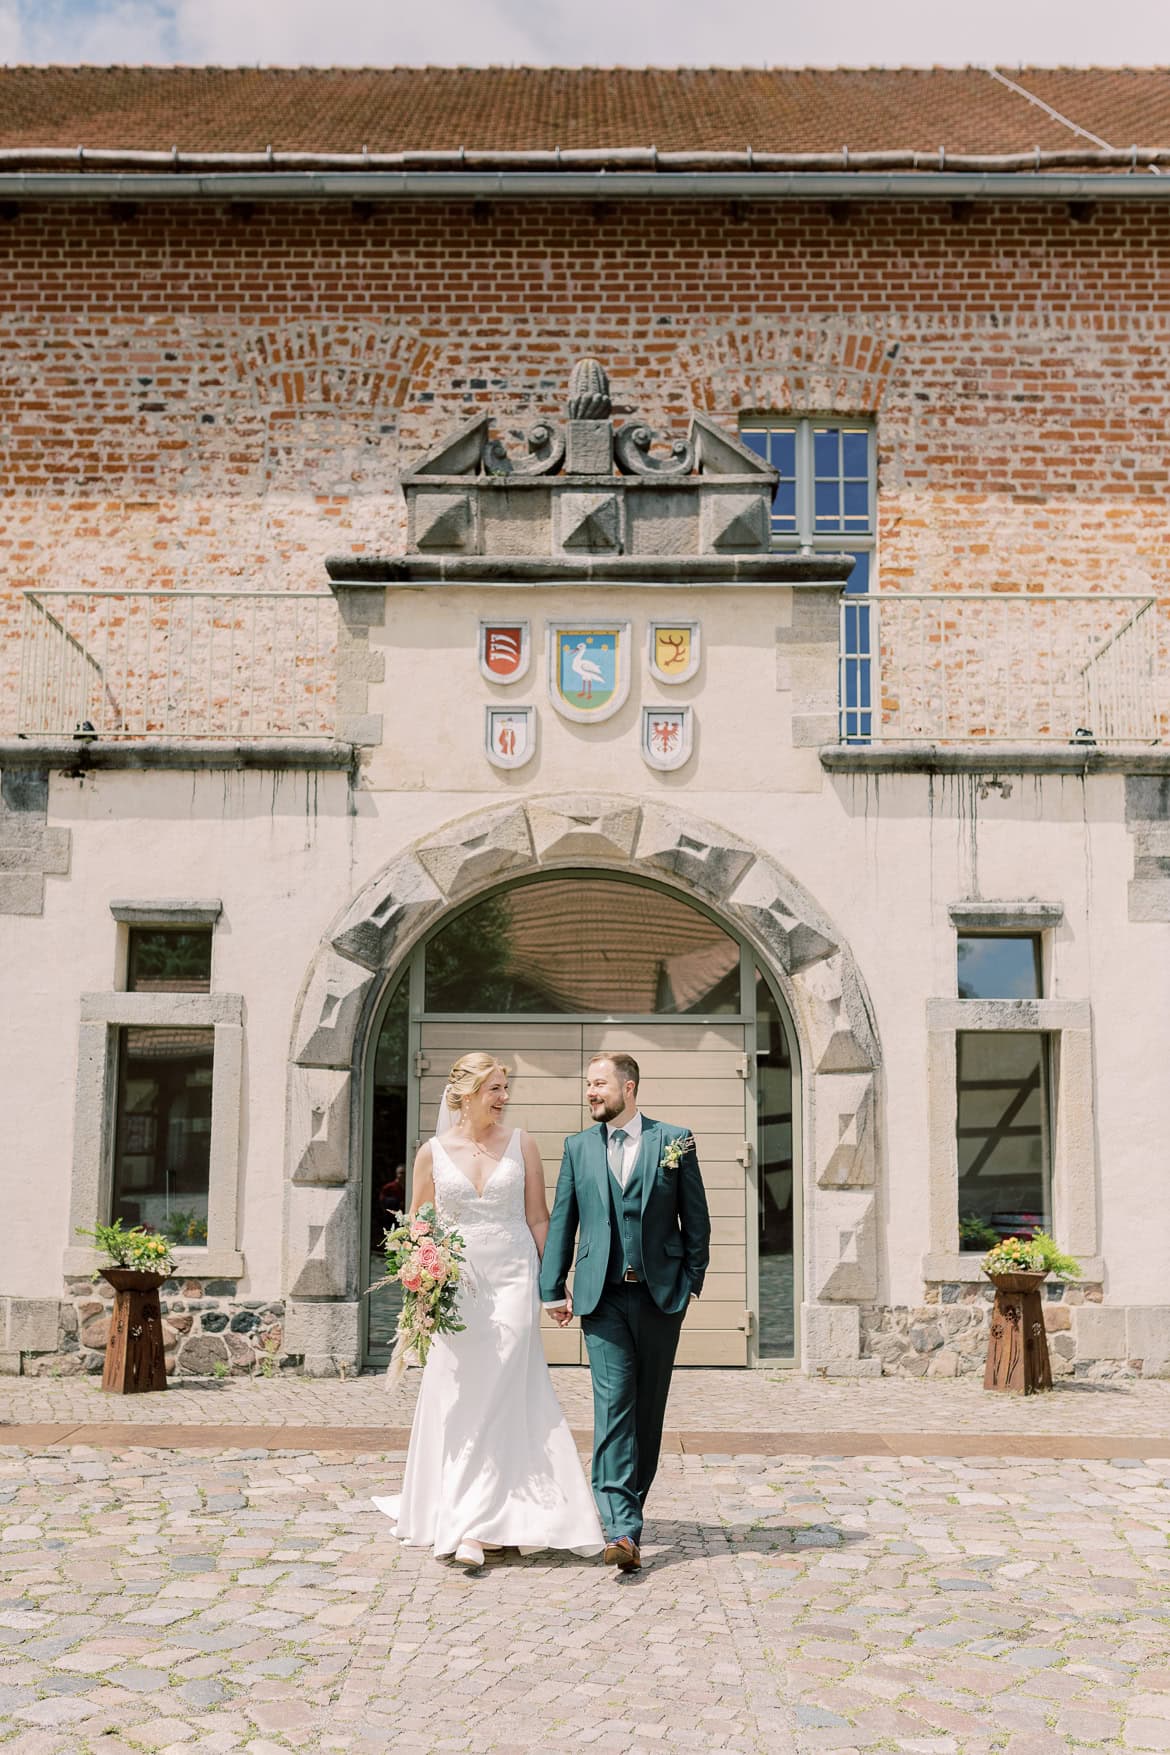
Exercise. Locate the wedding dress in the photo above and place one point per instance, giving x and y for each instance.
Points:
(491, 1458)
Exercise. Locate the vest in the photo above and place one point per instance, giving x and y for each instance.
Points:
(625, 1232)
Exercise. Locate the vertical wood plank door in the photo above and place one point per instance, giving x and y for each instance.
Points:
(547, 1100)
(691, 1075)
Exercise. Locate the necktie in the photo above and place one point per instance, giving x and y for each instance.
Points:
(617, 1154)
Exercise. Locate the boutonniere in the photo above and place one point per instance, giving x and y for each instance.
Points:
(675, 1150)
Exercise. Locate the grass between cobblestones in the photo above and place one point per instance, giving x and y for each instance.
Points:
(253, 1601)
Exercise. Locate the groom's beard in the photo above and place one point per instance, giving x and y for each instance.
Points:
(601, 1110)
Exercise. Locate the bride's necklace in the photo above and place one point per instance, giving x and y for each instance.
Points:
(477, 1146)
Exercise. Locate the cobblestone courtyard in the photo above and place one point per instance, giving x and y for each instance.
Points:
(250, 1599)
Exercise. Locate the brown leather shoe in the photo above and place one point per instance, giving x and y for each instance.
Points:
(623, 1554)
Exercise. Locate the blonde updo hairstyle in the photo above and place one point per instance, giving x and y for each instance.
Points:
(467, 1075)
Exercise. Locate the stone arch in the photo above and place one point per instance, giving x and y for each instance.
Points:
(762, 903)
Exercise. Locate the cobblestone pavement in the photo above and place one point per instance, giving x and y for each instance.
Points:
(253, 1601)
(709, 1401)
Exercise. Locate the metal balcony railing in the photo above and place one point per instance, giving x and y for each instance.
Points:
(178, 664)
(977, 667)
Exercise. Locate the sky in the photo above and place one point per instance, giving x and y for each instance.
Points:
(662, 33)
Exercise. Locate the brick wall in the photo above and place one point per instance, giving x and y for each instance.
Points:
(199, 395)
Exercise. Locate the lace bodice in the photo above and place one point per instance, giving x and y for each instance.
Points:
(501, 1205)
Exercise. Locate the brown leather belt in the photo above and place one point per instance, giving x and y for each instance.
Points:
(630, 1277)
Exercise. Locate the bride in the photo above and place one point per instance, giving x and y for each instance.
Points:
(491, 1461)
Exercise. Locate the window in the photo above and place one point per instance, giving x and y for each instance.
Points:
(169, 960)
(1002, 1089)
(1003, 1135)
(159, 1091)
(999, 966)
(826, 499)
(583, 945)
(162, 1134)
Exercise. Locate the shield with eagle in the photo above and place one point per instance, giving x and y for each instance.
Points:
(588, 668)
(668, 735)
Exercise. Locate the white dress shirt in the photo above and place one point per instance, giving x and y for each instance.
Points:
(633, 1132)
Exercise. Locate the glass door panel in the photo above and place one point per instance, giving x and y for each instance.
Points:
(775, 1190)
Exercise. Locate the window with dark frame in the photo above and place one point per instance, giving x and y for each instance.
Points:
(162, 1131)
(1001, 965)
(826, 499)
(169, 959)
(1003, 1118)
(163, 1092)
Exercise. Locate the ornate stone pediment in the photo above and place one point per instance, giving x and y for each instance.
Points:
(583, 488)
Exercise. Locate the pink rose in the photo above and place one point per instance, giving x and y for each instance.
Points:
(411, 1281)
(429, 1259)
(420, 1228)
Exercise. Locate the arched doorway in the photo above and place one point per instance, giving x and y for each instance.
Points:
(548, 970)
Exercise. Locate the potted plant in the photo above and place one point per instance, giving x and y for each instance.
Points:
(1017, 1344)
(139, 1258)
(1020, 1264)
(140, 1261)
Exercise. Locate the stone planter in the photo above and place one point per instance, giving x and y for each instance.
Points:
(134, 1350)
(1017, 1345)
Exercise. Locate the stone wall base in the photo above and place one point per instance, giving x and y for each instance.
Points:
(207, 1331)
(946, 1335)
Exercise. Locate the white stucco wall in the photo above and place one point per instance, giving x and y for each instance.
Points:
(884, 857)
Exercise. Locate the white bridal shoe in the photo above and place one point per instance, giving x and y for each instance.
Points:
(469, 1554)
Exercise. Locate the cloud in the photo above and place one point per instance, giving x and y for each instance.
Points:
(660, 33)
(351, 33)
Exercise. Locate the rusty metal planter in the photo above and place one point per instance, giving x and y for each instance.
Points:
(1017, 1346)
(134, 1351)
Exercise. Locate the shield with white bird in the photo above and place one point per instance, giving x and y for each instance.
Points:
(589, 669)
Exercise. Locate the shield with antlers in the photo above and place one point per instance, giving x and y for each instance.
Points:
(673, 650)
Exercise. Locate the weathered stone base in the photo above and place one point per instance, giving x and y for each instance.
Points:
(946, 1335)
(207, 1331)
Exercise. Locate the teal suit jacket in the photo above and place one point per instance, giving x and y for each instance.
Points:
(675, 1223)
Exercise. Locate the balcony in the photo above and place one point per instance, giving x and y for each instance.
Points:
(194, 666)
(980, 669)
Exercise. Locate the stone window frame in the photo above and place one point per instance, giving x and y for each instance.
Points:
(102, 1016)
(1068, 1024)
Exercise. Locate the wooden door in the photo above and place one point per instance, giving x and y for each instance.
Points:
(692, 1074)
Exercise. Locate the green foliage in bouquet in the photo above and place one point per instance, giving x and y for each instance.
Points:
(1031, 1255)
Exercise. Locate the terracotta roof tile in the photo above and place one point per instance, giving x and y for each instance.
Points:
(208, 109)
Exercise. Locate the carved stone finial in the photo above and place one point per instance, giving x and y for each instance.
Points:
(589, 397)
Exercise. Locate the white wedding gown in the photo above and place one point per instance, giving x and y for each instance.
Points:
(491, 1457)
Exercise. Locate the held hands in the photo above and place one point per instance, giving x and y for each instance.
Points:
(562, 1314)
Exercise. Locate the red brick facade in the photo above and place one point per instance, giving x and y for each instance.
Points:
(200, 395)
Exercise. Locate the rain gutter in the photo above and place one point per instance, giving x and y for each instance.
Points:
(746, 185)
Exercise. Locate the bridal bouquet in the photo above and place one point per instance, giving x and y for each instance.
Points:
(424, 1257)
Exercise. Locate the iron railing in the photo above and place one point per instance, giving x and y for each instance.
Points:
(982, 667)
(178, 664)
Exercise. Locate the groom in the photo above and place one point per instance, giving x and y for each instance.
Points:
(633, 1187)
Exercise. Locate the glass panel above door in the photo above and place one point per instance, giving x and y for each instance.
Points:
(583, 945)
